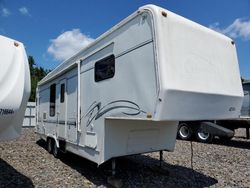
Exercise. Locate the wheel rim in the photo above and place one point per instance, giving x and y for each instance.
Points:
(184, 131)
(203, 135)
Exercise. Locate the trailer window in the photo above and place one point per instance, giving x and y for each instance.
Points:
(105, 68)
(62, 93)
(52, 105)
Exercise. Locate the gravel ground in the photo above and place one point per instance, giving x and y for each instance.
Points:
(26, 163)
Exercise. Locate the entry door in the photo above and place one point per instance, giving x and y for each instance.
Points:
(62, 116)
(72, 109)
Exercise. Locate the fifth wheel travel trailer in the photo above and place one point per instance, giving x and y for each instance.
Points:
(14, 87)
(125, 92)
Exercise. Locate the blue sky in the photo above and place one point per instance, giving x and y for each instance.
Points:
(53, 30)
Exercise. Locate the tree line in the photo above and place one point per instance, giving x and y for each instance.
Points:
(36, 74)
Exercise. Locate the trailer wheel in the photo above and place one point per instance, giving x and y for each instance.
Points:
(55, 150)
(203, 136)
(184, 131)
(49, 145)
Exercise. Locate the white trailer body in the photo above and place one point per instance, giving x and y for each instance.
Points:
(125, 93)
(14, 87)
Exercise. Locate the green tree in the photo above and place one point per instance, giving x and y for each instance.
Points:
(36, 74)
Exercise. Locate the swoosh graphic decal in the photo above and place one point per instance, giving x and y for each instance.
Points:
(95, 111)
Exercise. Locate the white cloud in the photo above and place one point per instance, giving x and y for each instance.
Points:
(5, 12)
(240, 28)
(24, 11)
(68, 44)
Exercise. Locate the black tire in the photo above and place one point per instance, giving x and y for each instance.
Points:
(204, 137)
(56, 151)
(184, 132)
(50, 145)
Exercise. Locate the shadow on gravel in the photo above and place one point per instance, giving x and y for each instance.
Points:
(137, 171)
(10, 177)
(233, 143)
(142, 168)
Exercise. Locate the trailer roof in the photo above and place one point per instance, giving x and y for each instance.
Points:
(156, 12)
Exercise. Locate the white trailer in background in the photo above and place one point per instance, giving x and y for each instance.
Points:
(125, 93)
(14, 87)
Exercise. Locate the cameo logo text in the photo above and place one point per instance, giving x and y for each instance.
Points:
(4, 111)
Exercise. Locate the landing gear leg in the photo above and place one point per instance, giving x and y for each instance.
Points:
(112, 180)
(247, 133)
(113, 167)
(161, 156)
(159, 168)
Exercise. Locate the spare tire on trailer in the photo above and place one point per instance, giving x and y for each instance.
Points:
(226, 138)
(184, 131)
(203, 136)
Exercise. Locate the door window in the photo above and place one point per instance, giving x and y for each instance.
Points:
(62, 93)
(52, 105)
